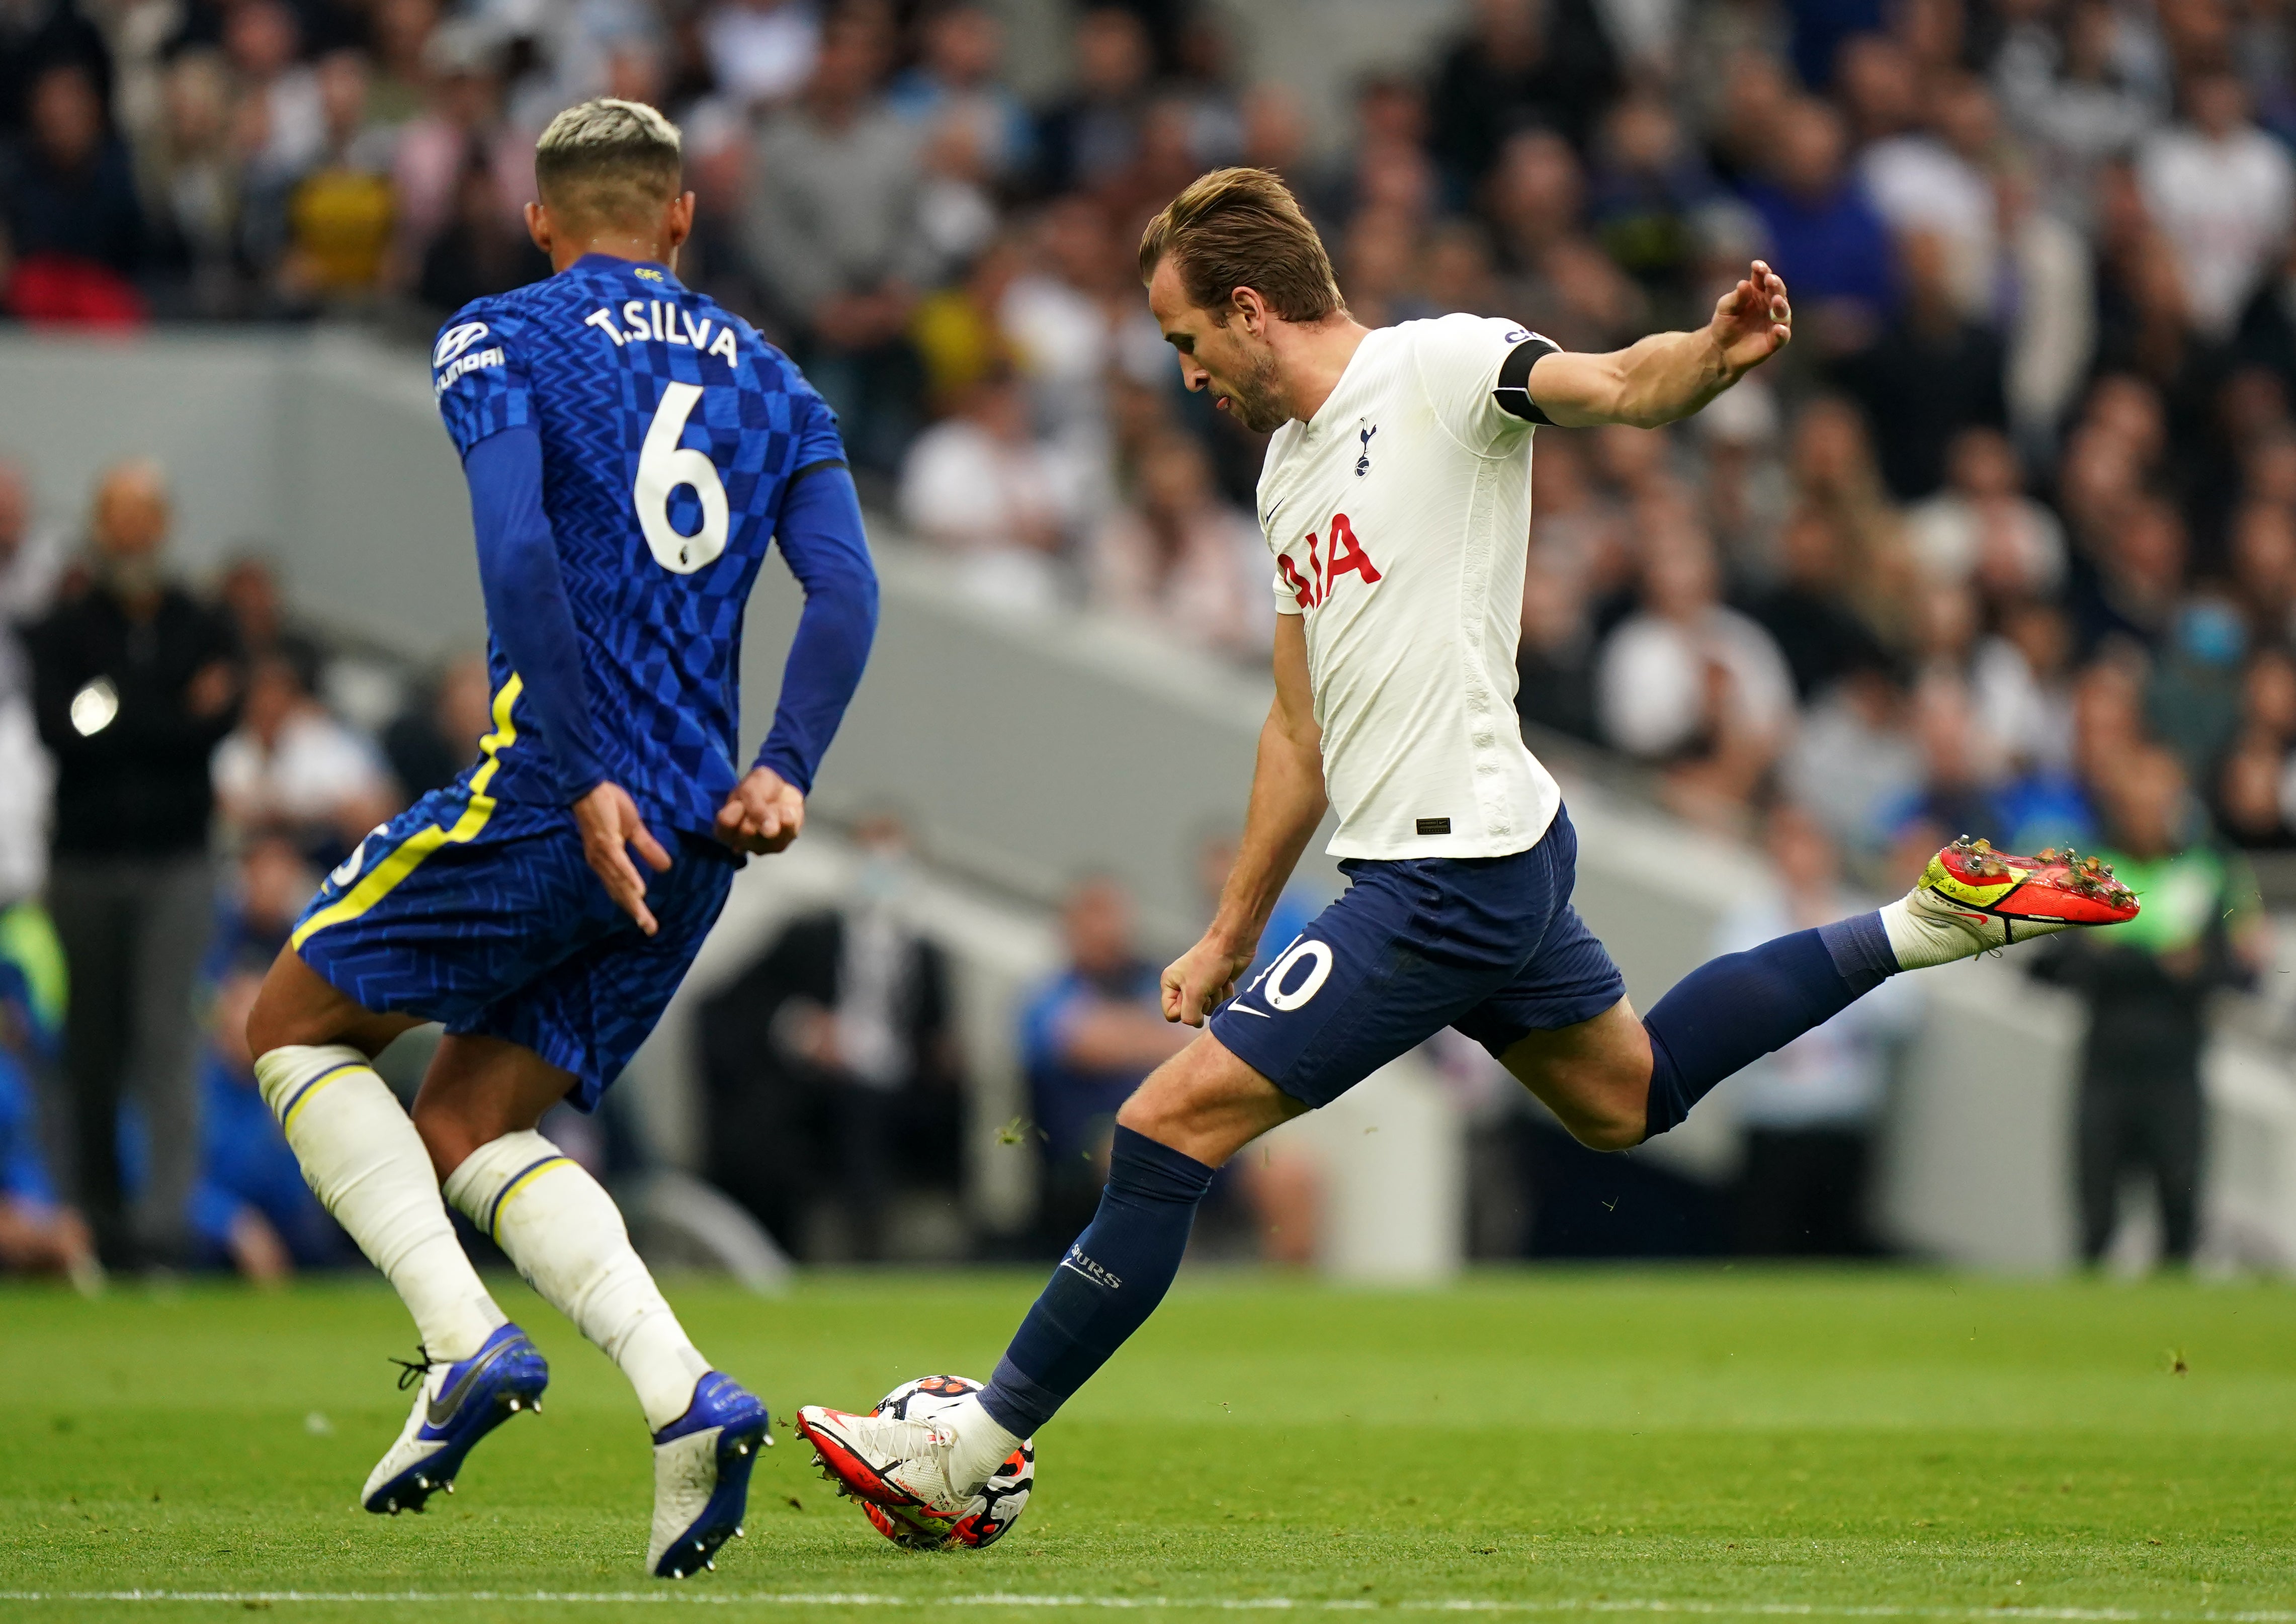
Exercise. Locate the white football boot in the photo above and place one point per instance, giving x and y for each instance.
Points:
(456, 1406)
(907, 1467)
(702, 1464)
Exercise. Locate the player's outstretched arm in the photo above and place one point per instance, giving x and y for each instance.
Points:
(1669, 375)
(821, 537)
(1287, 803)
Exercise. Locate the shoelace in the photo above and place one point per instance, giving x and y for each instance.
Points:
(927, 1447)
(411, 1370)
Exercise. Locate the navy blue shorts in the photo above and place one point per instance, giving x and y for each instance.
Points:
(484, 914)
(1488, 945)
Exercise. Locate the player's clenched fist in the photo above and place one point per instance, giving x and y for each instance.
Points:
(1201, 979)
(610, 825)
(763, 815)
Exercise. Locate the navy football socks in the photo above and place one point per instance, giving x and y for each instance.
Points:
(1107, 1285)
(1732, 1011)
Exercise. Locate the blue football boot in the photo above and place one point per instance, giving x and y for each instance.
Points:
(454, 1407)
(702, 1463)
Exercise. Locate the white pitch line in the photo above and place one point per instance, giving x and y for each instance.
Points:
(864, 1599)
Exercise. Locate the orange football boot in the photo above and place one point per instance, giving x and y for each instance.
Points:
(1971, 898)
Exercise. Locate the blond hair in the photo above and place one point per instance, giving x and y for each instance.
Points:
(609, 160)
(1242, 228)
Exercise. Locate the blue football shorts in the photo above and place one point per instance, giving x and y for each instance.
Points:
(1488, 945)
(484, 915)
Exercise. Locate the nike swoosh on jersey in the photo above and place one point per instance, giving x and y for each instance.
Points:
(1274, 510)
(1246, 1009)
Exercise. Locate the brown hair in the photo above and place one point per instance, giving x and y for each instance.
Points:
(1241, 228)
(608, 161)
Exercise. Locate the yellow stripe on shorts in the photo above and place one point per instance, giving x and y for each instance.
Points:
(408, 857)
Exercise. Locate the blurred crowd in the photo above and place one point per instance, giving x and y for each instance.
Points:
(2023, 492)
(171, 788)
(2005, 541)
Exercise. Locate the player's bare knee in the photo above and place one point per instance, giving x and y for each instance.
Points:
(446, 1132)
(1165, 1108)
(1609, 1130)
(277, 1019)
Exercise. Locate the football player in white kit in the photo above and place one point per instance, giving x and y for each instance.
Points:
(1396, 500)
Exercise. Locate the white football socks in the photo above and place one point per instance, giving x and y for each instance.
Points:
(979, 1444)
(366, 1164)
(1925, 929)
(567, 1237)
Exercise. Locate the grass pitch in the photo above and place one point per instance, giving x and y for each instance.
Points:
(1725, 1442)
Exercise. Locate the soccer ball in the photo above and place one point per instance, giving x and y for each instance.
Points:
(994, 1509)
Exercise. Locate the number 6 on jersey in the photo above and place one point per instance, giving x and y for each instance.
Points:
(664, 466)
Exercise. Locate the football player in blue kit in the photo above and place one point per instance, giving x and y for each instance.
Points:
(631, 448)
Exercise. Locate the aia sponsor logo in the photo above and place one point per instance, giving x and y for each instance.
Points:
(1313, 589)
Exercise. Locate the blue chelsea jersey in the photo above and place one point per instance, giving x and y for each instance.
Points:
(669, 432)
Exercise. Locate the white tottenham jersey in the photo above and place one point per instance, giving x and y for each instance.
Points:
(1400, 517)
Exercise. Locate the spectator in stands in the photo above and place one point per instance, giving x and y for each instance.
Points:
(36, 37)
(2146, 986)
(1932, 373)
(2130, 597)
(135, 682)
(31, 559)
(484, 248)
(956, 84)
(980, 486)
(38, 1233)
(75, 225)
(1830, 460)
(338, 210)
(292, 769)
(433, 740)
(191, 181)
(1091, 135)
(2071, 94)
(250, 593)
(1961, 771)
(1519, 62)
(2020, 685)
(2223, 194)
(833, 232)
(1181, 559)
(1808, 613)
(1938, 181)
(1853, 762)
(278, 89)
(270, 881)
(1644, 191)
(1981, 527)
(1059, 324)
(1691, 684)
(1088, 1037)
(761, 52)
(1824, 234)
(833, 1065)
(1554, 661)
(250, 1208)
(462, 125)
(1808, 1110)
(398, 30)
